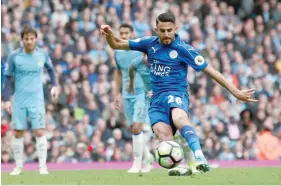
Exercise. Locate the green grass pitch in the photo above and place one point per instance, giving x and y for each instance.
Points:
(225, 176)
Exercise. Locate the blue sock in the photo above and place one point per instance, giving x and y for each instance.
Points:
(190, 136)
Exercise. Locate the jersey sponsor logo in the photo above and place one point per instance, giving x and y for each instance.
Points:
(32, 73)
(159, 69)
(199, 60)
(173, 54)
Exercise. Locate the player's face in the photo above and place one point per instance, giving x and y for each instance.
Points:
(29, 41)
(166, 32)
(125, 33)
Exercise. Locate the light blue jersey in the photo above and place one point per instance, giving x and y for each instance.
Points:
(27, 70)
(144, 73)
(134, 105)
(124, 59)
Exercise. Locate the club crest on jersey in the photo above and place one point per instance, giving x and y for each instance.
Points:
(40, 63)
(173, 54)
(199, 60)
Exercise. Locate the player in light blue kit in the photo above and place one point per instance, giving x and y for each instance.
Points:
(26, 65)
(134, 104)
(169, 57)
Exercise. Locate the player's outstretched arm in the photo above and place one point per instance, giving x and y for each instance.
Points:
(243, 95)
(113, 41)
(131, 87)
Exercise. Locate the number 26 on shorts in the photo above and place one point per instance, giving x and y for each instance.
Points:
(172, 99)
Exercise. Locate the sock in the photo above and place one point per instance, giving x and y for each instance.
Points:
(41, 147)
(17, 148)
(146, 151)
(138, 148)
(190, 136)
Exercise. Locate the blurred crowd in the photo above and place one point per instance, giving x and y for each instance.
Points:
(242, 39)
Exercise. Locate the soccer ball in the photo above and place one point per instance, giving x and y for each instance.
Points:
(169, 154)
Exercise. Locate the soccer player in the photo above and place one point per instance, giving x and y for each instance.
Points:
(26, 65)
(134, 105)
(143, 70)
(169, 57)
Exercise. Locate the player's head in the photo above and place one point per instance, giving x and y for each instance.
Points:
(166, 27)
(126, 31)
(29, 38)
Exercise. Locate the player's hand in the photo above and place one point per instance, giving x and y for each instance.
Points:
(8, 107)
(105, 30)
(55, 93)
(131, 88)
(117, 101)
(149, 94)
(246, 95)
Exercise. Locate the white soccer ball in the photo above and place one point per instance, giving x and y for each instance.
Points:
(169, 154)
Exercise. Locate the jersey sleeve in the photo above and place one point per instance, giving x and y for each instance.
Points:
(48, 62)
(140, 44)
(192, 58)
(9, 71)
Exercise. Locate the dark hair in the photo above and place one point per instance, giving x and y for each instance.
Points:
(166, 17)
(28, 29)
(126, 25)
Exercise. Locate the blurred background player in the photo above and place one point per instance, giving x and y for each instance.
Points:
(143, 70)
(169, 58)
(134, 104)
(26, 64)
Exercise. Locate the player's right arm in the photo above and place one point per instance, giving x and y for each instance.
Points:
(113, 41)
(139, 44)
(9, 72)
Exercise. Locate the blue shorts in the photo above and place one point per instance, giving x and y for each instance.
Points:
(134, 108)
(36, 115)
(160, 107)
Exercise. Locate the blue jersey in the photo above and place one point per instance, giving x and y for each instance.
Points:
(168, 63)
(27, 70)
(124, 59)
(144, 72)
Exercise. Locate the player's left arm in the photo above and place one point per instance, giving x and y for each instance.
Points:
(51, 72)
(197, 62)
(243, 95)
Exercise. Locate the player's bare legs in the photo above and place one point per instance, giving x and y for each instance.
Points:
(181, 121)
(163, 131)
(41, 147)
(17, 148)
(138, 144)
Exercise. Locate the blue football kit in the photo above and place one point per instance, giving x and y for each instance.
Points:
(168, 73)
